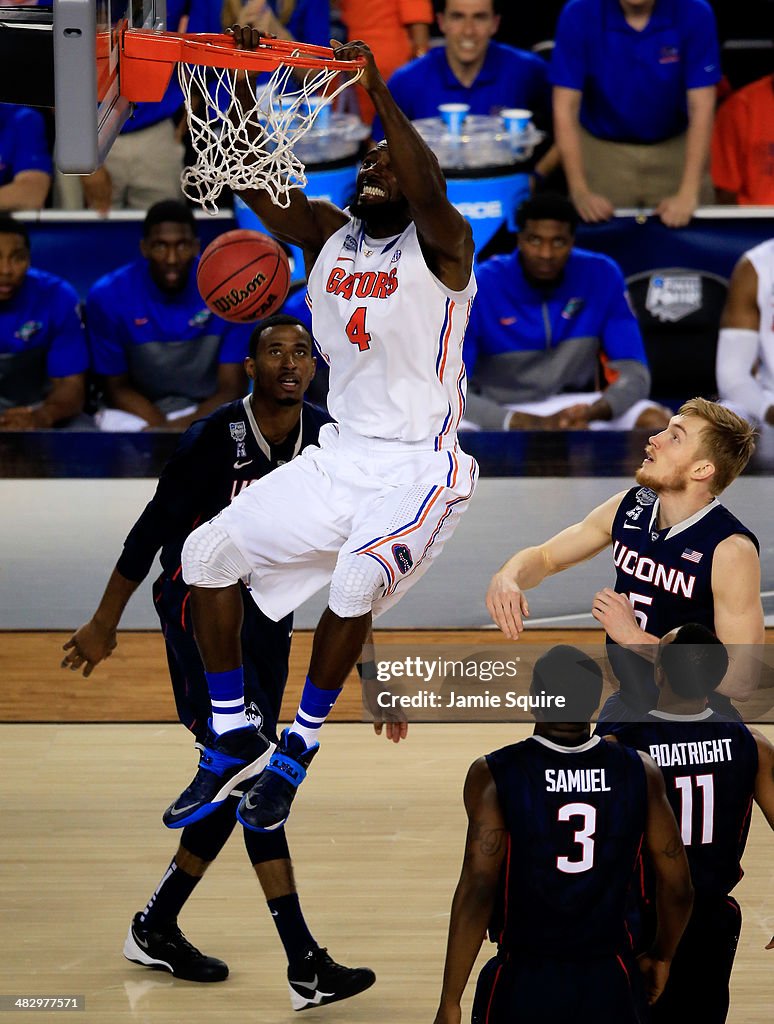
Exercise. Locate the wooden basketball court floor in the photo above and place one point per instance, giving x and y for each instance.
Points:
(376, 835)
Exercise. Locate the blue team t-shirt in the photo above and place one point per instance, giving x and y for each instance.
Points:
(168, 344)
(510, 314)
(22, 142)
(508, 78)
(41, 337)
(634, 82)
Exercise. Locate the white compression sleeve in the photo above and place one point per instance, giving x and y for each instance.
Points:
(737, 353)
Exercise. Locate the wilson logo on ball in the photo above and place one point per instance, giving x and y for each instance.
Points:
(237, 296)
(243, 276)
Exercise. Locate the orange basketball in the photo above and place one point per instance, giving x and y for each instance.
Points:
(243, 276)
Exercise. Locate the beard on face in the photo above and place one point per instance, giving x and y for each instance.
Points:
(674, 484)
(380, 215)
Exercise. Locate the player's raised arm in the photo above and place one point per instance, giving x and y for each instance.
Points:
(444, 234)
(674, 891)
(306, 223)
(505, 599)
(485, 848)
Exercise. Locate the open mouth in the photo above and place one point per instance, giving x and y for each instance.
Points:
(648, 458)
(371, 190)
(289, 383)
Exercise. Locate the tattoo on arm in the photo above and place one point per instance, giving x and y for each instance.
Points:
(490, 840)
(673, 848)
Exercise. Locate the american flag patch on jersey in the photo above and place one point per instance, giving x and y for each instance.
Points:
(691, 555)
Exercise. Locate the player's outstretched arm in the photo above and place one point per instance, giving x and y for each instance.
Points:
(485, 848)
(505, 598)
(445, 236)
(674, 891)
(96, 639)
(166, 515)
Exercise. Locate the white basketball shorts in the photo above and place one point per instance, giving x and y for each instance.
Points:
(366, 515)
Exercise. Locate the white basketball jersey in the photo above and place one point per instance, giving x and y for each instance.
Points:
(762, 259)
(392, 335)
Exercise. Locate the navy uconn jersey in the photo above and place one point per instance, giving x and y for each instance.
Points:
(667, 574)
(217, 458)
(576, 821)
(709, 767)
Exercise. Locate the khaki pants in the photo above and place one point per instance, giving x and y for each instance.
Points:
(637, 175)
(145, 167)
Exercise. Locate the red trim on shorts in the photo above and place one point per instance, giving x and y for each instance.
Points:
(491, 994)
(182, 611)
(623, 968)
(177, 572)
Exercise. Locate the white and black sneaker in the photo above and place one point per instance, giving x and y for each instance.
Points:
(318, 980)
(169, 950)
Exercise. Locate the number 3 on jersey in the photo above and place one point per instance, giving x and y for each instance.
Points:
(356, 329)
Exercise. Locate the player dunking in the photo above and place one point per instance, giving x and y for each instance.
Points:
(216, 459)
(390, 286)
(679, 555)
(713, 769)
(555, 828)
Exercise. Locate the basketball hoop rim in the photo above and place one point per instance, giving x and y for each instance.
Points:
(220, 50)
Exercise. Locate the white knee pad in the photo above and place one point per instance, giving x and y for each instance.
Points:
(356, 583)
(211, 559)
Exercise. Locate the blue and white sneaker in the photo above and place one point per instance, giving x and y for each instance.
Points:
(267, 805)
(224, 762)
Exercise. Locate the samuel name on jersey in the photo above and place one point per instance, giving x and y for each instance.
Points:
(584, 780)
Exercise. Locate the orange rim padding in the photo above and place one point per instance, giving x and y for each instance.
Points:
(148, 58)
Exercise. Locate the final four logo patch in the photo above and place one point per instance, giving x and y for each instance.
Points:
(402, 556)
(238, 433)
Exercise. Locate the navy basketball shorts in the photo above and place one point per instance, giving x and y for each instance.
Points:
(697, 988)
(549, 990)
(265, 653)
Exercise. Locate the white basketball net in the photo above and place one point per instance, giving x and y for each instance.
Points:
(245, 140)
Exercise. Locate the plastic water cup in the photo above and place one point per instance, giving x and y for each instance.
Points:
(322, 121)
(516, 121)
(453, 114)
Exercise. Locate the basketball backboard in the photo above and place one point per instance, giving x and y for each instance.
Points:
(89, 110)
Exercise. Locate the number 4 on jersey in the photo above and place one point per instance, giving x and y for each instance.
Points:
(356, 329)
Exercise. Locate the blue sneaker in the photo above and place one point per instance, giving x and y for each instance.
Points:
(267, 805)
(224, 762)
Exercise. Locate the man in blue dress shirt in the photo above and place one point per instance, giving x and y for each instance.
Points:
(634, 100)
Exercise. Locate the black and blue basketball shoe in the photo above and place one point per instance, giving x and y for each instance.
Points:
(224, 762)
(267, 805)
